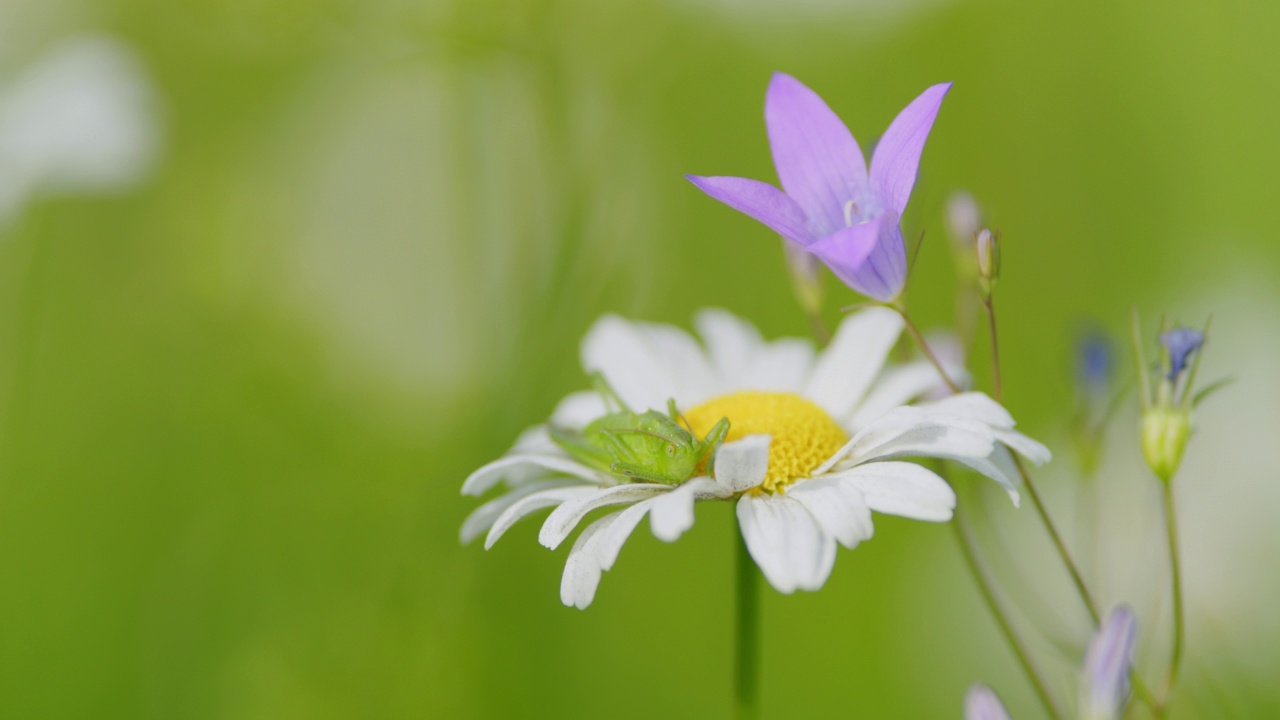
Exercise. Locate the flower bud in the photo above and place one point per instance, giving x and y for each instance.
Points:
(988, 249)
(1104, 686)
(1165, 431)
(806, 283)
(1166, 416)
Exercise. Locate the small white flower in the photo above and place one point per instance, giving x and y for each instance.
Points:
(816, 443)
(982, 703)
(82, 119)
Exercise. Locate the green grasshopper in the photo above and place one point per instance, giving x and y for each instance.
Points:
(639, 447)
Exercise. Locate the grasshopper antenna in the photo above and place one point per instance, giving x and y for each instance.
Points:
(678, 416)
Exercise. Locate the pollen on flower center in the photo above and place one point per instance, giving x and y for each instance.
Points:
(804, 435)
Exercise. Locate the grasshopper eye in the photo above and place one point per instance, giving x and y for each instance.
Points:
(671, 449)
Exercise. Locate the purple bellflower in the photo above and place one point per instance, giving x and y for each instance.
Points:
(831, 203)
(1104, 686)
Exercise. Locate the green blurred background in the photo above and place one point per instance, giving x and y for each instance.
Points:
(239, 399)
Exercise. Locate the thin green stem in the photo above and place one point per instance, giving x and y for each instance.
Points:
(986, 588)
(746, 657)
(997, 387)
(1076, 578)
(818, 328)
(1140, 687)
(924, 347)
(1175, 567)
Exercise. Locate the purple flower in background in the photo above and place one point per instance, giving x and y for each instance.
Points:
(982, 703)
(1180, 342)
(834, 206)
(1104, 687)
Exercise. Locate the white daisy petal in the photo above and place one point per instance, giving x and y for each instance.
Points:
(534, 441)
(609, 543)
(486, 477)
(732, 343)
(1025, 446)
(565, 518)
(671, 514)
(785, 540)
(912, 432)
(838, 506)
(975, 405)
(581, 569)
(533, 503)
(742, 464)
(595, 552)
(578, 409)
(898, 386)
(938, 440)
(781, 366)
(846, 368)
(647, 364)
(902, 488)
(482, 518)
(999, 467)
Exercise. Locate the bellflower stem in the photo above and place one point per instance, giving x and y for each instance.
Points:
(1175, 567)
(924, 346)
(986, 587)
(997, 387)
(818, 328)
(1082, 589)
(1073, 570)
(746, 658)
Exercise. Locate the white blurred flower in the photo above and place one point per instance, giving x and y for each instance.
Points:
(80, 120)
(982, 703)
(815, 444)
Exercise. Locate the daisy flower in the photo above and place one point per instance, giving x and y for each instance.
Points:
(816, 442)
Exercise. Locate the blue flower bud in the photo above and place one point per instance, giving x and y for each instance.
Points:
(1180, 342)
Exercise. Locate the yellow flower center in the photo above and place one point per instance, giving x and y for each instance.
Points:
(804, 435)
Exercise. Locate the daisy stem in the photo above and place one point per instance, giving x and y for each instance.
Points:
(986, 587)
(746, 657)
(1175, 567)
(924, 346)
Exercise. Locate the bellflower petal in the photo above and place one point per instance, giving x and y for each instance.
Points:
(1105, 686)
(897, 156)
(761, 201)
(819, 163)
(884, 272)
(846, 250)
(868, 257)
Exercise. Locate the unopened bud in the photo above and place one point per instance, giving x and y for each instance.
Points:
(806, 283)
(1165, 432)
(988, 249)
(1104, 686)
